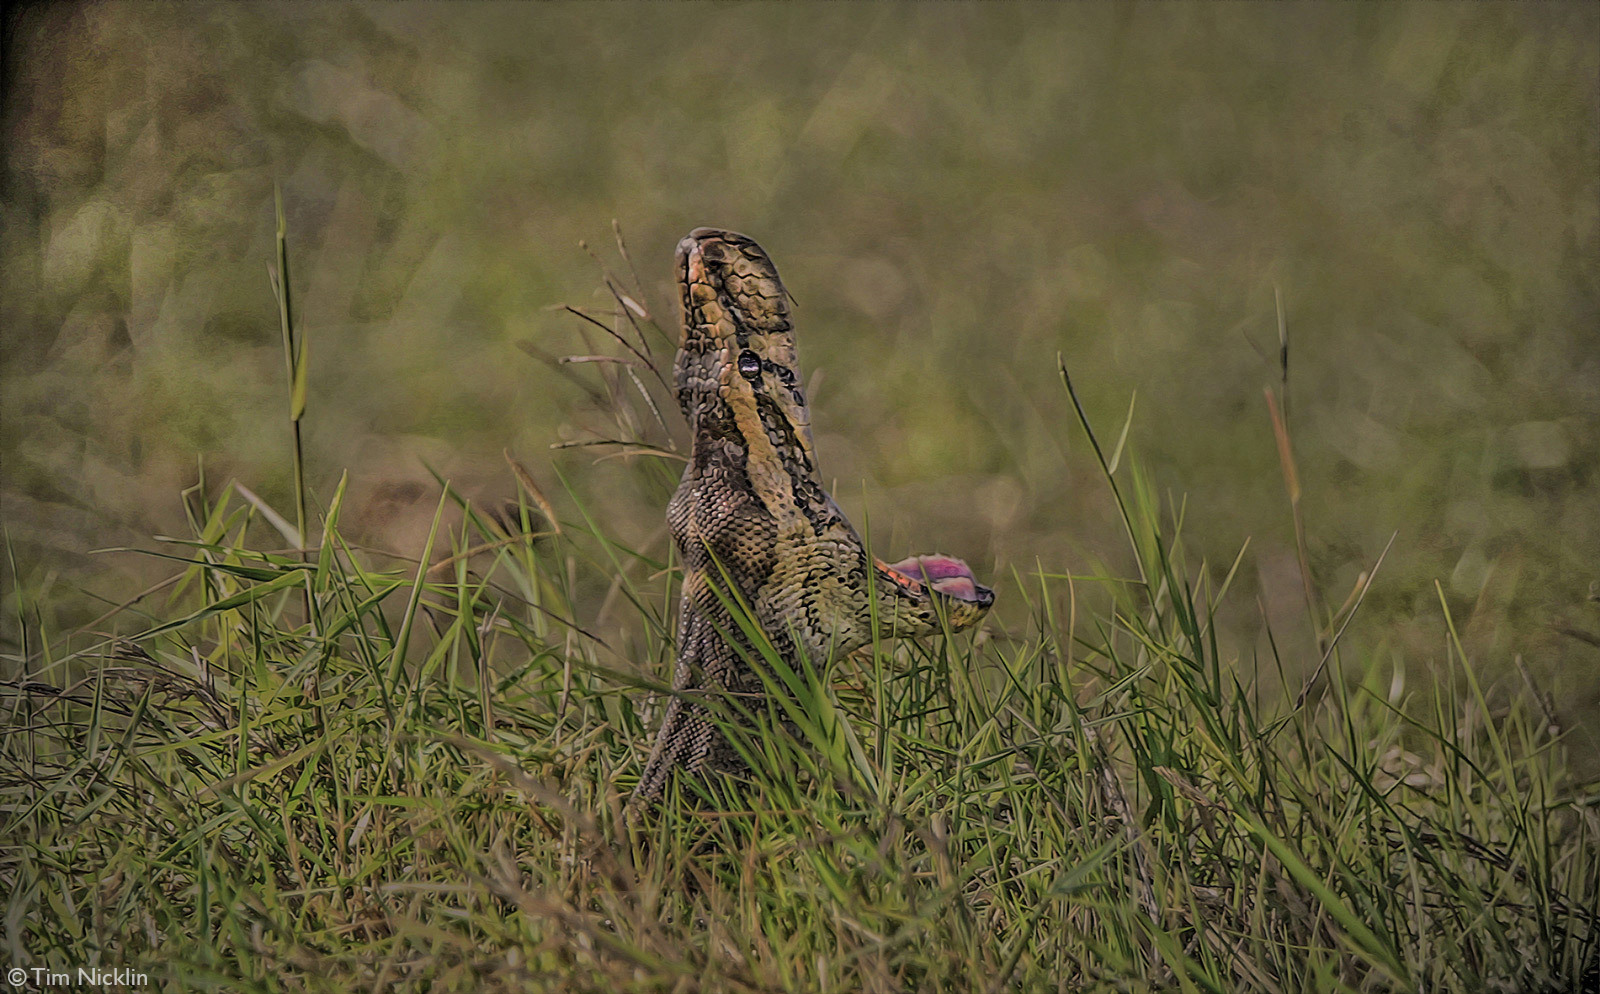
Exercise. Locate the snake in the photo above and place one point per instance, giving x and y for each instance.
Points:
(755, 530)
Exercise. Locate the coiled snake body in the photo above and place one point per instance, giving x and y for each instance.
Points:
(751, 511)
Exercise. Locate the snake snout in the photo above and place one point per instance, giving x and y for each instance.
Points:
(719, 245)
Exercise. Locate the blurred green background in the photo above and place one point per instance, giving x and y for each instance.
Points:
(954, 194)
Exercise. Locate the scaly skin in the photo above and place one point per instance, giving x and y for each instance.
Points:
(752, 507)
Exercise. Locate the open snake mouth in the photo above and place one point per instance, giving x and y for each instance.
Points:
(944, 575)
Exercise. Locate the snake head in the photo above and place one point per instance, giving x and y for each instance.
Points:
(737, 348)
(922, 588)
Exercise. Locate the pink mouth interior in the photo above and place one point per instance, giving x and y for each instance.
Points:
(948, 576)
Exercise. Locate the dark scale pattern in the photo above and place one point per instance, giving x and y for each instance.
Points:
(752, 506)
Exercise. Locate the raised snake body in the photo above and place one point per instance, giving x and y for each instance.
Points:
(751, 510)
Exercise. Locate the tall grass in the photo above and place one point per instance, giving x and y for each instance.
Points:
(328, 770)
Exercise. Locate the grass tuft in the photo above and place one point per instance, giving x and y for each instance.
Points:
(426, 792)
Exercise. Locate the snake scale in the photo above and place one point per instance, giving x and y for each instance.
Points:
(751, 512)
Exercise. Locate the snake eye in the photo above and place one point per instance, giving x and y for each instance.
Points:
(749, 365)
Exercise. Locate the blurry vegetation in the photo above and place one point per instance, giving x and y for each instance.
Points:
(954, 194)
